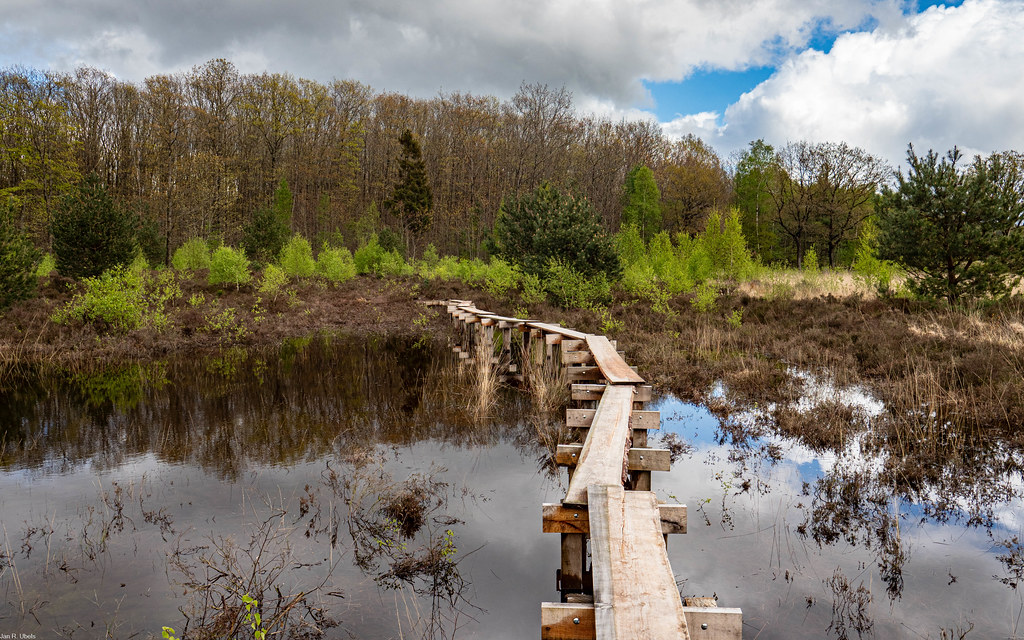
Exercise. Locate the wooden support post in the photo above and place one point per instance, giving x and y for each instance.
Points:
(640, 480)
(574, 561)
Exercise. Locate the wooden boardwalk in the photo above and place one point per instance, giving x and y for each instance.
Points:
(629, 590)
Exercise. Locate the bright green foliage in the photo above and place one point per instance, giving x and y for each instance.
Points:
(731, 256)
(531, 288)
(810, 266)
(123, 298)
(46, 266)
(572, 289)
(471, 271)
(500, 277)
(369, 255)
(297, 258)
(430, 256)
(274, 279)
(91, 232)
(957, 231)
(412, 198)
(169, 634)
(705, 297)
(629, 245)
(264, 237)
(337, 265)
(699, 264)
(392, 264)
(253, 617)
(754, 172)
(19, 261)
(872, 271)
(642, 202)
(546, 225)
(194, 254)
(229, 265)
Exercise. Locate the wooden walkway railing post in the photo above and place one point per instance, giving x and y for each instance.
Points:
(630, 589)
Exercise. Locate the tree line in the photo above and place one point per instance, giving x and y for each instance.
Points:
(209, 152)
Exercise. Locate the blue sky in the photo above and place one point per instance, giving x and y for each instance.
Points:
(878, 74)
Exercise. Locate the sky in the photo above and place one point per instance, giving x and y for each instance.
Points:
(877, 74)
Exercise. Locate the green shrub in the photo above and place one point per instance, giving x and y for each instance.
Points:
(123, 298)
(500, 276)
(91, 232)
(337, 265)
(194, 254)
(393, 264)
(699, 264)
(269, 229)
(629, 245)
(867, 267)
(391, 241)
(571, 289)
(810, 263)
(46, 266)
(705, 297)
(297, 258)
(19, 261)
(273, 280)
(229, 265)
(369, 255)
(471, 271)
(532, 288)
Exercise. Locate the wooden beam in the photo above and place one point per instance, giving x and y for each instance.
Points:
(562, 331)
(583, 391)
(553, 338)
(576, 357)
(578, 373)
(564, 621)
(635, 594)
(574, 345)
(557, 518)
(638, 458)
(637, 419)
(605, 447)
(615, 369)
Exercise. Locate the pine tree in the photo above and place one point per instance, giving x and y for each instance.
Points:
(957, 231)
(91, 232)
(18, 261)
(412, 198)
(270, 228)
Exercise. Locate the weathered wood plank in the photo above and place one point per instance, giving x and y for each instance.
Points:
(637, 419)
(582, 391)
(604, 449)
(566, 621)
(554, 328)
(638, 458)
(576, 357)
(557, 518)
(632, 576)
(615, 369)
(576, 373)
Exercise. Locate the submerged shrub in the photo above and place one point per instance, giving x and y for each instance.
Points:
(337, 265)
(194, 254)
(229, 265)
(297, 258)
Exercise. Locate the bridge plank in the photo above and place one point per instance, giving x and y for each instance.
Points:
(562, 331)
(638, 458)
(644, 392)
(556, 518)
(605, 446)
(575, 621)
(614, 368)
(635, 594)
(638, 419)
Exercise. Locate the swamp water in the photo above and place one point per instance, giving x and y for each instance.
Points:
(346, 485)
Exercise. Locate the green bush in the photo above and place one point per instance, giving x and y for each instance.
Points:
(46, 266)
(534, 229)
(91, 232)
(269, 229)
(532, 288)
(19, 261)
(500, 277)
(297, 258)
(273, 280)
(194, 254)
(393, 264)
(229, 265)
(705, 297)
(123, 298)
(337, 265)
(369, 255)
(810, 264)
(571, 289)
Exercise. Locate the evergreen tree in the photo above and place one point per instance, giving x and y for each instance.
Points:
(412, 198)
(642, 202)
(956, 230)
(533, 229)
(18, 261)
(91, 232)
(264, 237)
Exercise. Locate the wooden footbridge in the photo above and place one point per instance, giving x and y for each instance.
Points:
(629, 589)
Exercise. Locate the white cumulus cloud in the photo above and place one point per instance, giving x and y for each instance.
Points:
(947, 76)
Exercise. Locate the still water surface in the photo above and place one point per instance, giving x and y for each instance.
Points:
(130, 497)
